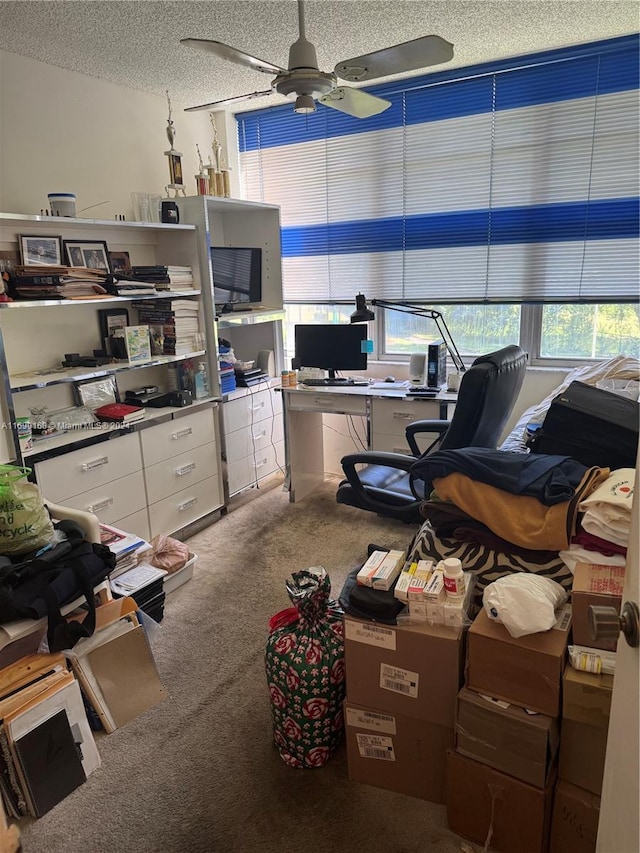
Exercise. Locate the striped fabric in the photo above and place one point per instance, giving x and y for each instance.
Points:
(515, 181)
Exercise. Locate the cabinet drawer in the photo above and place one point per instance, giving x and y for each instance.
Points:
(236, 414)
(391, 417)
(172, 475)
(247, 471)
(185, 506)
(81, 470)
(137, 523)
(321, 401)
(254, 438)
(113, 500)
(173, 437)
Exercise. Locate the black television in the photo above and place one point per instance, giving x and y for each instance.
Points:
(237, 277)
(330, 346)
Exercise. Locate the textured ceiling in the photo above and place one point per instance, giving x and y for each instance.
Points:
(136, 44)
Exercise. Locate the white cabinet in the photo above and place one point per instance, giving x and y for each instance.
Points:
(390, 418)
(253, 437)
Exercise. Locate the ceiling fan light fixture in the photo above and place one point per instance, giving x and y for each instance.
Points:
(304, 105)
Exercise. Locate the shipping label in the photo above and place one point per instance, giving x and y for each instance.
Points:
(371, 720)
(399, 680)
(564, 619)
(375, 746)
(373, 635)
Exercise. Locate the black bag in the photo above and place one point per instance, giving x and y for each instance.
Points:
(39, 586)
(593, 426)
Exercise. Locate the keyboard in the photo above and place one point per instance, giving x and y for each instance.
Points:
(422, 391)
(331, 383)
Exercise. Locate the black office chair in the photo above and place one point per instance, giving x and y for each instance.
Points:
(487, 395)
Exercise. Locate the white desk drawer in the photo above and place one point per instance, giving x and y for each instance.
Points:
(185, 506)
(84, 469)
(113, 500)
(236, 414)
(245, 472)
(254, 438)
(137, 523)
(322, 401)
(179, 472)
(165, 440)
(391, 417)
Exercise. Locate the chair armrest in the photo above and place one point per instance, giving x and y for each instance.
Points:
(416, 427)
(397, 461)
(87, 520)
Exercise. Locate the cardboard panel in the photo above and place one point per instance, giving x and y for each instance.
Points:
(574, 825)
(507, 739)
(480, 798)
(524, 670)
(397, 752)
(582, 753)
(598, 585)
(586, 697)
(414, 670)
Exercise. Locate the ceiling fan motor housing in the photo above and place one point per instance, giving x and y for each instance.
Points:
(304, 78)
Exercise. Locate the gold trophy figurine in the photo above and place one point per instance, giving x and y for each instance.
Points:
(176, 182)
(202, 178)
(215, 173)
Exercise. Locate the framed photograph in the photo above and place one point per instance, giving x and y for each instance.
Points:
(97, 392)
(120, 263)
(111, 319)
(40, 250)
(138, 344)
(87, 253)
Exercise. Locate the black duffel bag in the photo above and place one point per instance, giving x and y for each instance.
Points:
(40, 585)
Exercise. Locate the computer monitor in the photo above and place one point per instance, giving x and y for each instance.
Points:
(330, 347)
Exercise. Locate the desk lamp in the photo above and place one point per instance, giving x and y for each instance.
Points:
(363, 314)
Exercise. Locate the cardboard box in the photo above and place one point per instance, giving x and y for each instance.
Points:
(598, 585)
(586, 706)
(479, 797)
(412, 669)
(524, 670)
(397, 752)
(506, 738)
(574, 823)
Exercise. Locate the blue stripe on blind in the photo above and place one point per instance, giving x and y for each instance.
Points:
(569, 73)
(548, 223)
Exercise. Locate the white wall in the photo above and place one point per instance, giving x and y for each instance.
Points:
(65, 132)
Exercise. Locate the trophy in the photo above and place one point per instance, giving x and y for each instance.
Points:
(202, 178)
(175, 163)
(218, 177)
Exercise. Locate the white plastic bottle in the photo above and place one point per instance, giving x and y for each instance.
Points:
(454, 582)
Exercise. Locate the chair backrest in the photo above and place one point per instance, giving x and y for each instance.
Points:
(487, 395)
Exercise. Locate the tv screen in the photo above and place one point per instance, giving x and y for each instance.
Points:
(237, 275)
(331, 347)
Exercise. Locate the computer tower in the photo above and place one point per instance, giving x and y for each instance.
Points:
(436, 373)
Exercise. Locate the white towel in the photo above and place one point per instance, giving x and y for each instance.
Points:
(607, 510)
(576, 554)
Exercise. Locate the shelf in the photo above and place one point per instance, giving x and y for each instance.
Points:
(99, 300)
(63, 221)
(249, 318)
(29, 381)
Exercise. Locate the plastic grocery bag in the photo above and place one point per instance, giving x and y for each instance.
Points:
(525, 604)
(25, 524)
(305, 672)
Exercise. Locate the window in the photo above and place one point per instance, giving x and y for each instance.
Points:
(504, 194)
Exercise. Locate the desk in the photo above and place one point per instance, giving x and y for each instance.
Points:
(387, 414)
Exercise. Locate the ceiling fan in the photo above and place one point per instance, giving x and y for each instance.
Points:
(304, 81)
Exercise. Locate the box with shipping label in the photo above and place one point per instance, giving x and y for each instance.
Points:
(396, 752)
(526, 671)
(574, 820)
(598, 585)
(586, 705)
(411, 669)
(480, 798)
(506, 737)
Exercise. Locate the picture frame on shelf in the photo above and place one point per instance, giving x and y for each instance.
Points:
(111, 319)
(94, 393)
(120, 263)
(38, 250)
(138, 344)
(92, 254)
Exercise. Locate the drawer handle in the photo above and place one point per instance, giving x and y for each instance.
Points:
(404, 416)
(182, 433)
(257, 435)
(255, 408)
(95, 463)
(322, 401)
(260, 464)
(187, 504)
(102, 505)
(180, 472)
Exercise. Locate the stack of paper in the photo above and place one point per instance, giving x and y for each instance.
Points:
(126, 546)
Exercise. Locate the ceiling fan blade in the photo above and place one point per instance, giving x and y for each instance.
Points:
(227, 101)
(354, 102)
(232, 54)
(408, 56)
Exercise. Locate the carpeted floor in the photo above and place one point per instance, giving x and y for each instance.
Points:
(199, 773)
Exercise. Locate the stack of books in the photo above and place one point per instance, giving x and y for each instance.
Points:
(127, 287)
(46, 281)
(126, 546)
(145, 584)
(170, 277)
(47, 747)
(122, 413)
(175, 321)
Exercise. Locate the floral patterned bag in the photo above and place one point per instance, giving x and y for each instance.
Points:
(305, 672)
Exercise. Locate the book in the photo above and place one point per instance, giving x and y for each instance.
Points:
(138, 344)
(121, 412)
(119, 541)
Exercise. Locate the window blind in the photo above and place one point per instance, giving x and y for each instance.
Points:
(513, 181)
